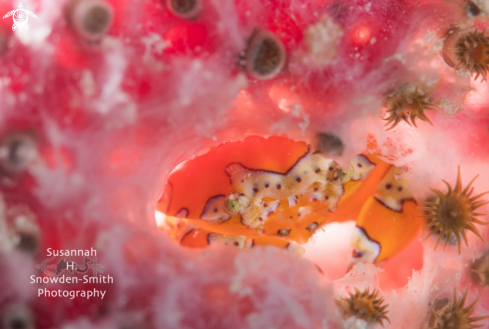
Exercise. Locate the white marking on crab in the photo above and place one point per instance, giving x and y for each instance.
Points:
(360, 167)
(233, 240)
(366, 250)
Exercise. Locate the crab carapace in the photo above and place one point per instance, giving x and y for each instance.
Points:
(276, 191)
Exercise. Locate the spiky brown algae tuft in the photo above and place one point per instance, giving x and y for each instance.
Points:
(452, 239)
(479, 271)
(469, 49)
(407, 103)
(454, 212)
(453, 315)
(365, 306)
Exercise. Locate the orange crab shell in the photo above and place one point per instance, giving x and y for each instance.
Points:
(190, 188)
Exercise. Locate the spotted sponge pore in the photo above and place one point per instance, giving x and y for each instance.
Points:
(204, 177)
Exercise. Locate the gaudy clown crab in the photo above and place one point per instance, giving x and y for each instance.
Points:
(277, 191)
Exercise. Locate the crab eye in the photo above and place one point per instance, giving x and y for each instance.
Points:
(17, 316)
(265, 56)
(186, 9)
(91, 19)
(17, 151)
